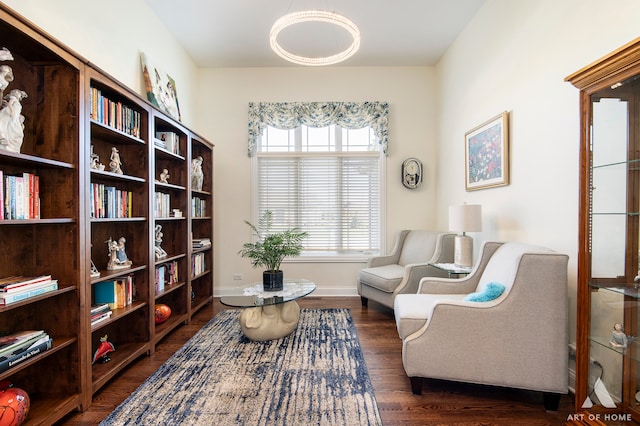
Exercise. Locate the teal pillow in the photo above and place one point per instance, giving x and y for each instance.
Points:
(491, 291)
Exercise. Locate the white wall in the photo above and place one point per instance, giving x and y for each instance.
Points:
(225, 94)
(111, 35)
(514, 56)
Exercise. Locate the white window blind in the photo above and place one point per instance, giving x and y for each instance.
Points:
(325, 181)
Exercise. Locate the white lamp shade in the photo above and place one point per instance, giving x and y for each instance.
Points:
(465, 218)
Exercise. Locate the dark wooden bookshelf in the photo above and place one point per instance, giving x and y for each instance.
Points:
(62, 131)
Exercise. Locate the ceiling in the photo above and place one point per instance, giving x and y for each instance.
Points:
(235, 33)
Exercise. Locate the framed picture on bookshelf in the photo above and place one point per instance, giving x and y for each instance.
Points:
(161, 88)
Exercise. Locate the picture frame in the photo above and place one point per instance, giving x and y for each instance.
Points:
(160, 88)
(486, 149)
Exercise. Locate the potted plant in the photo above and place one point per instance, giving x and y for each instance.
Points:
(270, 249)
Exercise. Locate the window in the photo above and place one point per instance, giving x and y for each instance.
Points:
(318, 166)
(325, 181)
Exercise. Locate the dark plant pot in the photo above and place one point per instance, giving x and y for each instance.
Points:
(272, 280)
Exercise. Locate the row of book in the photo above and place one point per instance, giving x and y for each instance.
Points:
(109, 201)
(100, 313)
(166, 275)
(198, 264)
(169, 141)
(18, 288)
(116, 293)
(114, 114)
(198, 207)
(20, 346)
(20, 196)
(162, 205)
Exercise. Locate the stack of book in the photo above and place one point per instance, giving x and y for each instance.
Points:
(197, 243)
(17, 288)
(20, 346)
(100, 313)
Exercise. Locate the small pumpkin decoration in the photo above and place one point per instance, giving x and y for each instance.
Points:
(162, 313)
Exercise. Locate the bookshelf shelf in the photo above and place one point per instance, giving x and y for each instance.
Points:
(77, 119)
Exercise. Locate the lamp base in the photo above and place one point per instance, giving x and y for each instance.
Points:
(463, 251)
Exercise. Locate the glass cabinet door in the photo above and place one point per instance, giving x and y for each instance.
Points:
(614, 277)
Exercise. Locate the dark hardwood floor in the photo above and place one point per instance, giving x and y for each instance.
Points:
(441, 403)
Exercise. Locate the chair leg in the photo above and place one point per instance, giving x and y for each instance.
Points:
(551, 401)
(365, 301)
(416, 385)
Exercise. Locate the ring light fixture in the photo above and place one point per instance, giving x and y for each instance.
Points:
(314, 16)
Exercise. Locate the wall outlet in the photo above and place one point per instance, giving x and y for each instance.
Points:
(238, 277)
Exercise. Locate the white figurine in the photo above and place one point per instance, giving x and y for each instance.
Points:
(197, 177)
(12, 121)
(164, 176)
(159, 252)
(618, 338)
(115, 163)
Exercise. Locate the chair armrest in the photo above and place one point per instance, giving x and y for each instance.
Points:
(431, 285)
(413, 273)
(376, 261)
(444, 251)
(393, 256)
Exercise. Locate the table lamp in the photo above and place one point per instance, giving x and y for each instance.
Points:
(464, 218)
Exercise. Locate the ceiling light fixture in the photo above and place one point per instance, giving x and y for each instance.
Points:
(314, 16)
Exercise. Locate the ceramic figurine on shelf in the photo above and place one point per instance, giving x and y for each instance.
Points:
(117, 255)
(164, 176)
(197, 176)
(11, 118)
(115, 163)
(94, 161)
(618, 338)
(101, 354)
(12, 121)
(159, 252)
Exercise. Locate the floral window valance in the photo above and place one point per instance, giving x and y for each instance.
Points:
(289, 115)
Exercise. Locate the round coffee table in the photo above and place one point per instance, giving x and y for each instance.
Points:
(269, 315)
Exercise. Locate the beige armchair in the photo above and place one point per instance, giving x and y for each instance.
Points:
(519, 339)
(401, 270)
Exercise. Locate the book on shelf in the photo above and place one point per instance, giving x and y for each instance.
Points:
(114, 113)
(169, 141)
(20, 196)
(17, 342)
(101, 317)
(99, 309)
(28, 292)
(160, 280)
(201, 242)
(14, 282)
(44, 343)
(116, 293)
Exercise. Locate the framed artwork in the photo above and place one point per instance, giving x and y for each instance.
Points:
(486, 149)
(161, 88)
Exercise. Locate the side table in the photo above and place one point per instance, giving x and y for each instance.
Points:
(452, 270)
(269, 315)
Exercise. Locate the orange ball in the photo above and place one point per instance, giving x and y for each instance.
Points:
(14, 406)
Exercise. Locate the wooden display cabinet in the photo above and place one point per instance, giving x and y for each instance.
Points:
(607, 366)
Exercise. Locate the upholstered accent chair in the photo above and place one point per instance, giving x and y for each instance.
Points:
(401, 270)
(515, 338)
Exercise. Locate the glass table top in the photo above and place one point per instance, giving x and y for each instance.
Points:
(254, 295)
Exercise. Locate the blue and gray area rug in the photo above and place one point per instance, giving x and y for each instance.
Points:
(315, 376)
